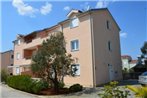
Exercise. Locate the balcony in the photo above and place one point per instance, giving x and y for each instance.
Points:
(35, 38)
(30, 51)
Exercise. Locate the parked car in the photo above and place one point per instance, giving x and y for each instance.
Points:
(143, 79)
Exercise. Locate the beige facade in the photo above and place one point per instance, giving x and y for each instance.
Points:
(94, 36)
(6, 61)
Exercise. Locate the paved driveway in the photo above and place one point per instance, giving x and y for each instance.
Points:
(7, 92)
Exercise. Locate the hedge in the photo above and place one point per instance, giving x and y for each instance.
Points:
(25, 83)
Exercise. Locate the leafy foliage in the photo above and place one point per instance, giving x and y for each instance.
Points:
(140, 92)
(25, 83)
(144, 48)
(113, 91)
(51, 62)
(4, 75)
(61, 85)
(142, 60)
(76, 88)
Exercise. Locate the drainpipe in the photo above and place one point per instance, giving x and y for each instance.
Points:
(93, 51)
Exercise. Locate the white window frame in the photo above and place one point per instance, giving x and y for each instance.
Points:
(77, 73)
(74, 22)
(17, 70)
(17, 56)
(18, 42)
(76, 45)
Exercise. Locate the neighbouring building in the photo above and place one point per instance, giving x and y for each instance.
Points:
(133, 63)
(127, 62)
(6, 61)
(92, 38)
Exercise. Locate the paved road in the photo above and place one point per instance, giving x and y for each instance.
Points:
(7, 92)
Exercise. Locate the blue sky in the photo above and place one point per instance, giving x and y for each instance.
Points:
(23, 17)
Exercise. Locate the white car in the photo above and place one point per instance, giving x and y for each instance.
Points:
(143, 79)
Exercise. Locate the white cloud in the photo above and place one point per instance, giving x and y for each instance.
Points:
(24, 9)
(66, 8)
(104, 3)
(27, 10)
(47, 8)
(123, 35)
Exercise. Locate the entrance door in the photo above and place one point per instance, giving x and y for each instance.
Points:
(111, 72)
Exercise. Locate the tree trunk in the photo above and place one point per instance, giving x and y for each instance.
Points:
(56, 86)
(56, 83)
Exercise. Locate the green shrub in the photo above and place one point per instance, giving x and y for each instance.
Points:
(113, 91)
(4, 75)
(61, 84)
(76, 88)
(25, 83)
(140, 92)
(44, 84)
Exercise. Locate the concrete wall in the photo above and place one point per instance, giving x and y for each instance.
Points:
(6, 61)
(103, 56)
(34, 45)
(84, 54)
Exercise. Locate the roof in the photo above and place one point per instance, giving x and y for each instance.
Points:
(73, 11)
(133, 61)
(126, 57)
(80, 13)
(6, 51)
(93, 10)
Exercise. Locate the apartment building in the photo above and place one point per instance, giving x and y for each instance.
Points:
(92, 39)
(6, 61)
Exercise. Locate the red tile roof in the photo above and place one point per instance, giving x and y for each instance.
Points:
(126, 57)
(134, 61)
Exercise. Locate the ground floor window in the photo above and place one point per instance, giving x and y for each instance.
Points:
(17, 70)
(76, 69)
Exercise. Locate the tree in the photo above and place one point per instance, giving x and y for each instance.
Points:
(144, 49)
(4, 75)
(142, 59)
(51, 62)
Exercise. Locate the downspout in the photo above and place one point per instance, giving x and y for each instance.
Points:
(93, 51)
(62, 78)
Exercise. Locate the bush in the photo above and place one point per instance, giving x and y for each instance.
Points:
(61, 84)
(140, 92)
(4, 75)
(76, 88)
(25, 83)
(113, 91)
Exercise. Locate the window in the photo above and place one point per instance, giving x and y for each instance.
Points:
(74, 45)
(19, 42)
(11, 64)
(18, 55)
(76, 69)
(109, 46)
(74, 23)
(17, 70)
(108, 24)
(12, 56)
